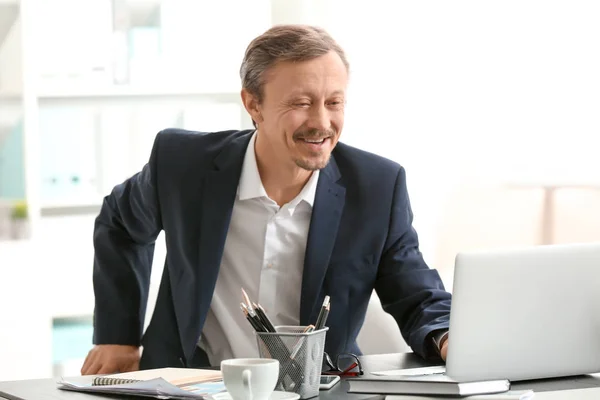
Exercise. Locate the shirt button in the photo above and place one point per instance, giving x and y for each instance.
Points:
(270, 265)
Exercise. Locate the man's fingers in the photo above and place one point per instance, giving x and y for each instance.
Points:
(93, 368)
(108, 369)
(89, 360)
(444, 350)
(134, 366)
(108, 359)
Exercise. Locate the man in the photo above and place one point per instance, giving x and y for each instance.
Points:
(284, 211)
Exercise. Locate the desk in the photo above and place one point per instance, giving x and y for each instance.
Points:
(577, 388)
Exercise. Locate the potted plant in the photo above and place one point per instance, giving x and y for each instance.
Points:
(19, 217)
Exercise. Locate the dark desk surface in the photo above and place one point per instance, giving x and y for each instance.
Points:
(46, 389)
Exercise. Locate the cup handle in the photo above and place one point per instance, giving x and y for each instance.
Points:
(246, 383)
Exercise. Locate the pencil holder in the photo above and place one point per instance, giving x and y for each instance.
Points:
(300, 357)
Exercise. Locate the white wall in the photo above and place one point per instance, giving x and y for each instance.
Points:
(466, 93)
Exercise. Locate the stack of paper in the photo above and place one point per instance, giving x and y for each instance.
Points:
(165, 383)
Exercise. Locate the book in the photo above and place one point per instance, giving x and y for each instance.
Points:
(434, 384)
(435, 370)
(164, 383)
(510, 395)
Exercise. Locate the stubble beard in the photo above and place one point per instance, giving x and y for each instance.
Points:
(311, 165)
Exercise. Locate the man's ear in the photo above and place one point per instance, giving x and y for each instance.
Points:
(252, 105)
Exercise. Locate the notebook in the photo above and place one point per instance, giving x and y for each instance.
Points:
(435, 384)
(165, 383)
(175, 376)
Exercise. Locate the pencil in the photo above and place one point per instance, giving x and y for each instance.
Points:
(247, 299)
(263, 317)
(324, 317)
(298, 344)
(321, 313)
(255, 324)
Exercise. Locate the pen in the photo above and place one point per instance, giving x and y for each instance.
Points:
(263, 316)
(298, 344)
(322, 312)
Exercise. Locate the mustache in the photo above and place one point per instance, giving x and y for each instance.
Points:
(313, 134)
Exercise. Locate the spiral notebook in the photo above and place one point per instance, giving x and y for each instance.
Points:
(175, 376)
(173, 383)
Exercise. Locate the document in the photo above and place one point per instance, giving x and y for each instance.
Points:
(164, 383)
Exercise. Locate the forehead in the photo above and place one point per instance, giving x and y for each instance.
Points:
(318, 76)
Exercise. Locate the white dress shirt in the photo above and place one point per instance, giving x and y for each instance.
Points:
(264, 254)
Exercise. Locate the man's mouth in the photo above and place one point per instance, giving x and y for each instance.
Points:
(314, 144)
(315, 141)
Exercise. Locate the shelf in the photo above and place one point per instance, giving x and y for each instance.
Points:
(62, 208)
(15, 98)
(142, 12)
(127, 91)
(115, 93)
(9, 10)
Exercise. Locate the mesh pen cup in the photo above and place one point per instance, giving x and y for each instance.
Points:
(300, 357)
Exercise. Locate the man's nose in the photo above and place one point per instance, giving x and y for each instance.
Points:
(319, 118)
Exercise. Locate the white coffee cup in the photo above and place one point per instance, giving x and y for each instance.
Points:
(250, 378)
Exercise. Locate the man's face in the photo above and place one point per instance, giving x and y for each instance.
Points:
(303, 110)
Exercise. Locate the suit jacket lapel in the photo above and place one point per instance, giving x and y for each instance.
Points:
(218, 196)
(325, 220)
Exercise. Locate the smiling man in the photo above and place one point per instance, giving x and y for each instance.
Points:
(283, 211)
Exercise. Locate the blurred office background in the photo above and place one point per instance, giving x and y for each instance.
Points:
(492, 107)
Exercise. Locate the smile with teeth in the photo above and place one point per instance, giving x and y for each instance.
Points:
(314, 140)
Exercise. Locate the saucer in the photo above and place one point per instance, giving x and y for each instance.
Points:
(276, 395)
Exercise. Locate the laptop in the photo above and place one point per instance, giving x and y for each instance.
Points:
(526, 313)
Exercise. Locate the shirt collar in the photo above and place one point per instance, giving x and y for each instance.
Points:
(309, 191)
(251, 186)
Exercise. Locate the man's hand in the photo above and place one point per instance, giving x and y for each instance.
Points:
(444, 348)
(111, 358)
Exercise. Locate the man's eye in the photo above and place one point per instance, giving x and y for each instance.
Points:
(302, 104)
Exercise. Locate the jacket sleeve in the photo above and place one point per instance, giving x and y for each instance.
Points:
(408, 289)
(124, 235)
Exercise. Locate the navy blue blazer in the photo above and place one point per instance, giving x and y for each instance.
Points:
(361, 238)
